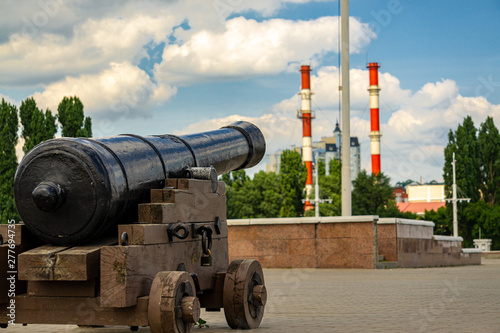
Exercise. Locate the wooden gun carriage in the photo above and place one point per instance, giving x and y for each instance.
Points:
(156, 271)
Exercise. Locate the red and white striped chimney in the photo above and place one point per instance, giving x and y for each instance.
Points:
(374, 117)
(306, 116)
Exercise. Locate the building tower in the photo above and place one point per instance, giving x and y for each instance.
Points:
(306, 115)
(374, 117)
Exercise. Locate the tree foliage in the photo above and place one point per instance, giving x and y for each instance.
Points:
(37, 125)
(293, 174)
(280, 195)
(373, 195)
(370, 192)
(442, 220)
(488, 141)
(330, 187)
(268, 186)
(72, 119)
(255, 198)
(477, 155)
(463, 142)
(268, 194)
(486, 218)
(8, 160)
(236, 202)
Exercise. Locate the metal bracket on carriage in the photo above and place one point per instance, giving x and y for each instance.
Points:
(194, 276)
(217, 225)
(198, 229)
(205, 231)
(203, 173)
(123, 239)
(174, 232)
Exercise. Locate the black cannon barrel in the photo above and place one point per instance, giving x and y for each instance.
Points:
(71, 190)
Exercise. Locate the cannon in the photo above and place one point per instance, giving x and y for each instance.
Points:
(129, 230)
(69, 191)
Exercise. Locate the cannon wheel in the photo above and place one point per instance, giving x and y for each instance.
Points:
(173, 305)
(244, 294)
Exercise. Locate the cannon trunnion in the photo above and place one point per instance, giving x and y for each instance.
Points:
(70, 191)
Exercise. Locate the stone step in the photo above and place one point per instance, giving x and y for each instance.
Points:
(381, 257)
(387, 265)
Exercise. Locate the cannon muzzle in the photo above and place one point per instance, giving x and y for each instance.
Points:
(69, 191)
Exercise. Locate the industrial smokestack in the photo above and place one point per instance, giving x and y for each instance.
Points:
(374, 117)
(306, 116)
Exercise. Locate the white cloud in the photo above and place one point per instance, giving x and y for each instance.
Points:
(7, 99)
(62, 48)
(30, 17)
(42, 42)
(279, 131)
(325, 82)
(46, 57)
(248, 48)
(19, 149)
(225, 8)
(436, 95)
(414, 136)
(92, 49)
(123, 90)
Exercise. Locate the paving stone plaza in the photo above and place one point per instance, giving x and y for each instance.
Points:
(449, 299)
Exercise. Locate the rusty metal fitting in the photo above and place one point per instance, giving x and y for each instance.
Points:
(124, 239)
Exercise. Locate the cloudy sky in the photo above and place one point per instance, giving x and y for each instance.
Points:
(154, 67)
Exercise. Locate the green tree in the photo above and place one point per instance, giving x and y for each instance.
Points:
(293, 174)
(442, 220)
(237, 183)
(37, 125)
(72, 119)
(463, 142)
(267, 189)
(226, 178)
(8, 160)
(489, 148)
(477, 156)
(487, 219)
(371, 193)
(330, 187)
(247, 198)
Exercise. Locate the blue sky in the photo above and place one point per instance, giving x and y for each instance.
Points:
(154, 67)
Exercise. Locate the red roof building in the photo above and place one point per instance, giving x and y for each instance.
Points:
(400, 195)
(419, 208)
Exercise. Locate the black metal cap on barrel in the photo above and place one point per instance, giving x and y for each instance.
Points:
(256, 142)
(69, 191)
(62, 191)
(48, 196)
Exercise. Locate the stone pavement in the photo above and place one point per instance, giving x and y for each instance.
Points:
(451, 299)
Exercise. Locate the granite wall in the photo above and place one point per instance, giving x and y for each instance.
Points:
(491, 255)
(412, 244)
(327, 242)
(435, 252)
